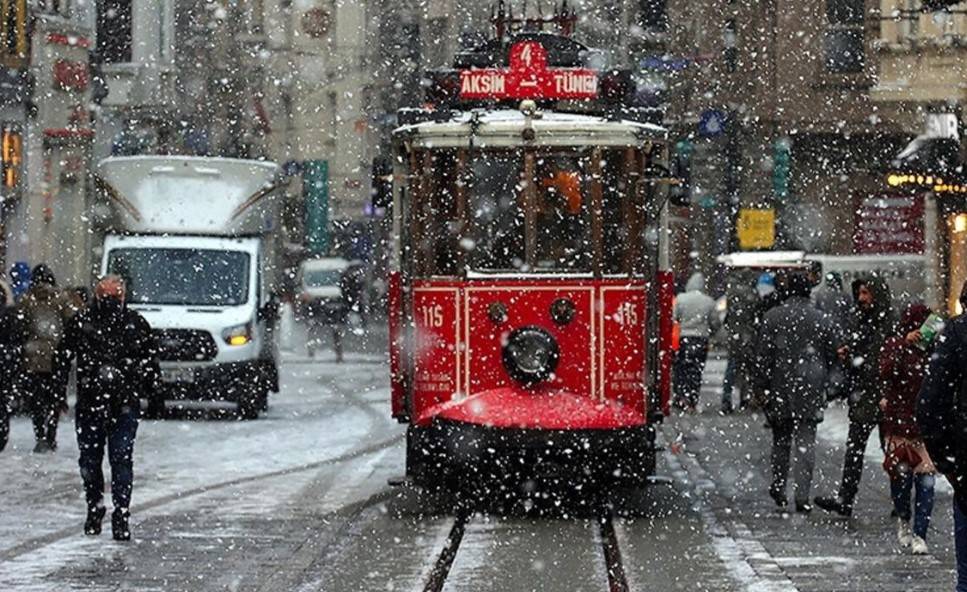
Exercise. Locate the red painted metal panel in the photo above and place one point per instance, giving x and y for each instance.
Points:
(529, 305)
(395, 322)
(459, 372)
(436, 359)
(622, 349)
(666, 326)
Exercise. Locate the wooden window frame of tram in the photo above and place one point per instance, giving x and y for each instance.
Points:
(424, 185)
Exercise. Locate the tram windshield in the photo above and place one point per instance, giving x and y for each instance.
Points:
(527, 210)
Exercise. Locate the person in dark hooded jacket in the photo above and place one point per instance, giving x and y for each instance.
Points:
(942, 421)
(870, 323)
(796, 347)
(116, 367)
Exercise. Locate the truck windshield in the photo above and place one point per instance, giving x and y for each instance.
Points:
(192, 277)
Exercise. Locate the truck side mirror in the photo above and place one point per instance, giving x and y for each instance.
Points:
(270, 310)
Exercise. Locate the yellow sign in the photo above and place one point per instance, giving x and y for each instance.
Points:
(756, 229)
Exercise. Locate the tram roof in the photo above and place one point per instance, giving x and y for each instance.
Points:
(504, 127)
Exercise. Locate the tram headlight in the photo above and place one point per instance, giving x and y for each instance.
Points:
(530, 355)
(562, 311)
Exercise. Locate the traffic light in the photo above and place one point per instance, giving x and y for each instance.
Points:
(781, 165)
(13, 33)
(681, 169)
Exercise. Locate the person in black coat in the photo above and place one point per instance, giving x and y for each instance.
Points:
(116, 366)
(11, 346)
(942, 420)
(870, 323)
(796, 348)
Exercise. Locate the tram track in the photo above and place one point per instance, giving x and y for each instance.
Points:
(439, 573)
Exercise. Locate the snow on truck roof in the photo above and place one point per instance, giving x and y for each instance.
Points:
(764, 259)
(325, 264)
(189, 194)
(503, 127)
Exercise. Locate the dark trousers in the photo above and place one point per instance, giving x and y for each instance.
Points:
(960, 544)
(784, 435)
(859, 435)
(94, 430)
(4, 419)
(46, 396)
(900, 490)
(689, 365)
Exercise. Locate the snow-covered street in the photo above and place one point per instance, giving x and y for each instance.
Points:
(299, 500)
(328, 419)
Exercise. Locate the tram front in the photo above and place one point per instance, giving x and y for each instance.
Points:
(530, 258)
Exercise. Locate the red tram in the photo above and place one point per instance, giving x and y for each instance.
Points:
(530, 302)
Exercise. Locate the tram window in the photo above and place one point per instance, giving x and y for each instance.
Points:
(563, 220)
(436, 216)
(618, 194)
(497, 216)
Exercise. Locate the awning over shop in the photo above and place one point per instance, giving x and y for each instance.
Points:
(931, 161)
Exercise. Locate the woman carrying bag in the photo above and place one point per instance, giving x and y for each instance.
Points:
(903, 361)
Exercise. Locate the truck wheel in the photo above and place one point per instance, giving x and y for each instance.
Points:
(249, 404)
(155, 408)
(4, 427)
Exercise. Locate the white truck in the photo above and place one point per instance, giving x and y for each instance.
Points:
(195, 240)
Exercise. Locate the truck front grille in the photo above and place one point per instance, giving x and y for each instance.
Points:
(185, 345)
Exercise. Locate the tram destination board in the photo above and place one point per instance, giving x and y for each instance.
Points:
(528, 77)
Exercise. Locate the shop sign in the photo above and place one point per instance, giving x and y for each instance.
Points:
(71, 76)
(756, 229)
(888, 223)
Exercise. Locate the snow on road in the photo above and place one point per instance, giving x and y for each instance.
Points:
(324, 411)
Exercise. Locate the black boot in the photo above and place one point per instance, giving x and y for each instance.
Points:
(119, 525)
(92, 526)
(779, 497)
(835, 505)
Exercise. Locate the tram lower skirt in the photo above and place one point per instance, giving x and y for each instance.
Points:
(448, 454)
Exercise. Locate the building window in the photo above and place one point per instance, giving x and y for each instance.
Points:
(54, 7)
(114, 31)
(653, 15)
(843, 44)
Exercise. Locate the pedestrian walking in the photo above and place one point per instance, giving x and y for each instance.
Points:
(741, 322)
(44, 310)
(695, 314)
(943, 424)
(902, 366)
(116, 366)
(796, 348)
(871, 322)
(11, 342)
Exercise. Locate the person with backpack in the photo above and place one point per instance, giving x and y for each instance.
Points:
(43, 312)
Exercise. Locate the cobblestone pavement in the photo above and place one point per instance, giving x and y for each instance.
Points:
(337, 526)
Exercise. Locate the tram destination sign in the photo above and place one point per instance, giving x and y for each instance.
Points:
(528, 77)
